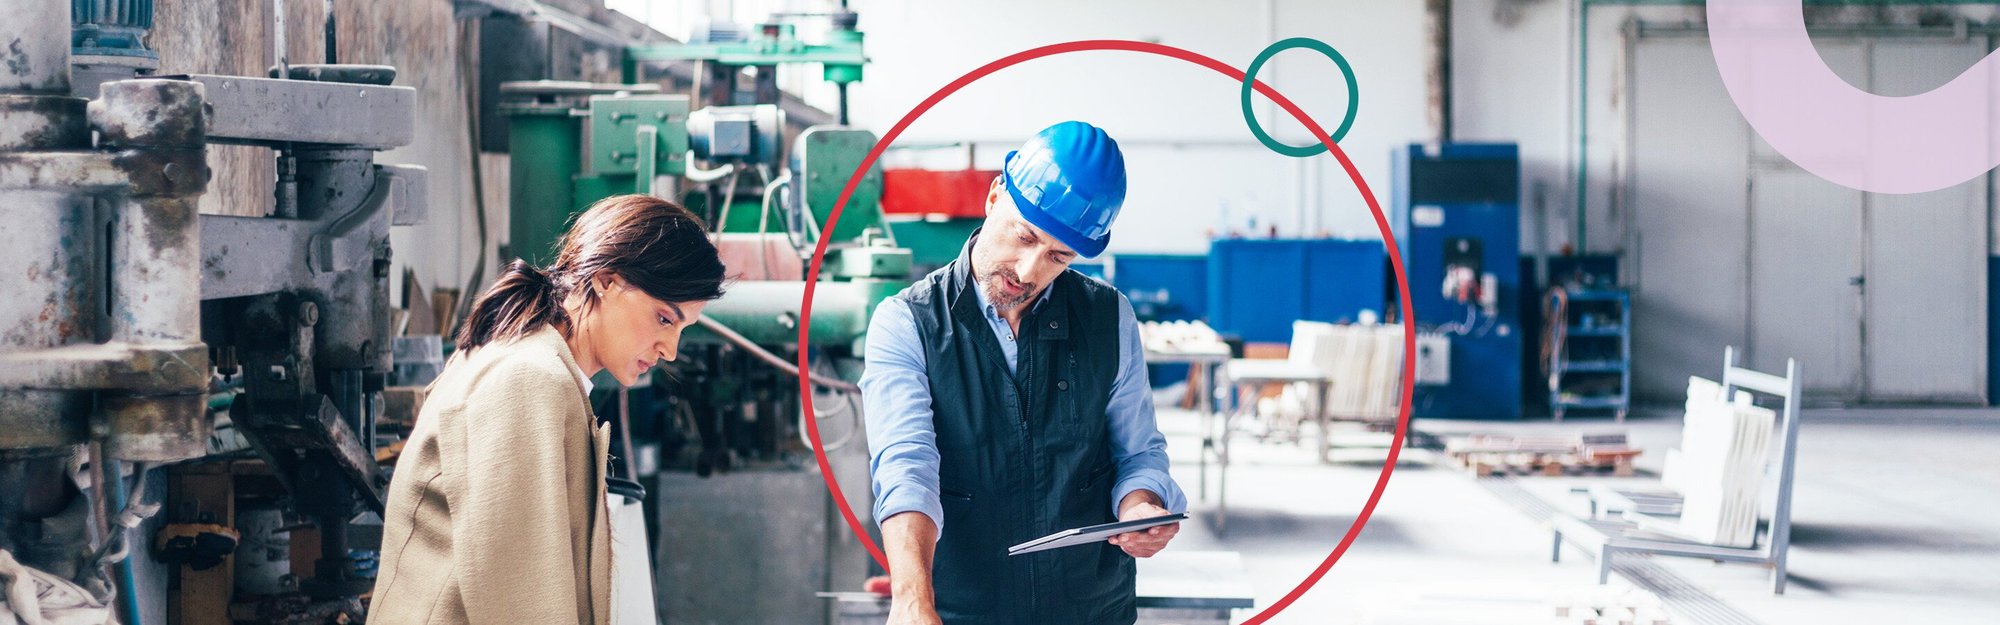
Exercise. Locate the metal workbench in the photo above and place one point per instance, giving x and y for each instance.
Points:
(1257, 373)
(1206, 368)
(1180, 587)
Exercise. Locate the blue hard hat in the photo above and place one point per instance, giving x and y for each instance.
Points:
(1069, 181)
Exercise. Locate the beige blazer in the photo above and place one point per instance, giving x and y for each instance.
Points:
(496, 513)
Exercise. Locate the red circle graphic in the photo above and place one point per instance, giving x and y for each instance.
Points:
(1381, 224)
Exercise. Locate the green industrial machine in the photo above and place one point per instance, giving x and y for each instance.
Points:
(718, 435)
(639, 143)
(723, 51)
(635, 136)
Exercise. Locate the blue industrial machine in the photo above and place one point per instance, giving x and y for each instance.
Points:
(1258, 287)
(1456, 217)
(1163, 287)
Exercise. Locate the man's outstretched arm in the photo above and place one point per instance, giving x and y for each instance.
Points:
(1144, 487)
(903, 459)
(911, 541)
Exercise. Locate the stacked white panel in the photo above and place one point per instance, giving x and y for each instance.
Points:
(1720, 465)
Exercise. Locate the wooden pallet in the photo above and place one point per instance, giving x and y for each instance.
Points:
(1487, 455)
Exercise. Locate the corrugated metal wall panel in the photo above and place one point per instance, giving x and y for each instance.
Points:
(1701, 285)
(1926, 316)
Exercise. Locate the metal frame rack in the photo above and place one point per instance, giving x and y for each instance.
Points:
(1580, 311)
(1611, 536)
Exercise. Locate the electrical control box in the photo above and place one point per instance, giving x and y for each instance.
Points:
(1433, 358)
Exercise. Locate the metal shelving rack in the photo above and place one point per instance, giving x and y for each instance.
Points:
(1598, 324)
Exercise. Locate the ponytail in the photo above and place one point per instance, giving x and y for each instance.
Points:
(520, 301)
(653, 244)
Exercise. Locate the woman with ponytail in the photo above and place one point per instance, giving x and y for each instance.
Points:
(497, 512)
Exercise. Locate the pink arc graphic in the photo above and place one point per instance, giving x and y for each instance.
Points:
(1846, 135)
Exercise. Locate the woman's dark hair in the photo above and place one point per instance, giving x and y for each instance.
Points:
(655, 245)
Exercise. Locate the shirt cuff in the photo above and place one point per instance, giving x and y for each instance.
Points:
(909, 498)
(1153, 480)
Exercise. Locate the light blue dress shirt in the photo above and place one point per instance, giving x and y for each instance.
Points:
(902, 442)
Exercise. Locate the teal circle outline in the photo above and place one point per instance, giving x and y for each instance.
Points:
(1346, 71)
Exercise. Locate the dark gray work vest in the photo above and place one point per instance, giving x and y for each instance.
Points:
(1025, 454)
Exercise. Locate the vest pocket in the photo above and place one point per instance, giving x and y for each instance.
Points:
(1097, 474)
(964, 562)
(1099, 574)
(1066, 397)
(1093, 572)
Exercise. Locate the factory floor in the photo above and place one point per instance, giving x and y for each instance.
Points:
(1897, 520)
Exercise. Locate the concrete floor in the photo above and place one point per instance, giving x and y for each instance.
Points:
(1897, 520)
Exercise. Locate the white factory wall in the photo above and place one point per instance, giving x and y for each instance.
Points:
(1190, 156)
(1514, 79)
(1193, 160)
(1880, 297)
(1196, 170)
(1764, 263)
(1512, 75)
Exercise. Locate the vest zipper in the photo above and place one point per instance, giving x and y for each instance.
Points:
(1025, 357)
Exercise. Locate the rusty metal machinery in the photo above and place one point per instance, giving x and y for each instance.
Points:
(132, 320)
(100, 351)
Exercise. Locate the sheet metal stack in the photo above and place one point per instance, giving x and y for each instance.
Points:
(1725, 443)
(1365, 362)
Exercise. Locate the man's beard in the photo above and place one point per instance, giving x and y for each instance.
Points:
(994, 283)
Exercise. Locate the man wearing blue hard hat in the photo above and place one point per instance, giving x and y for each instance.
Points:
(1006, 400)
